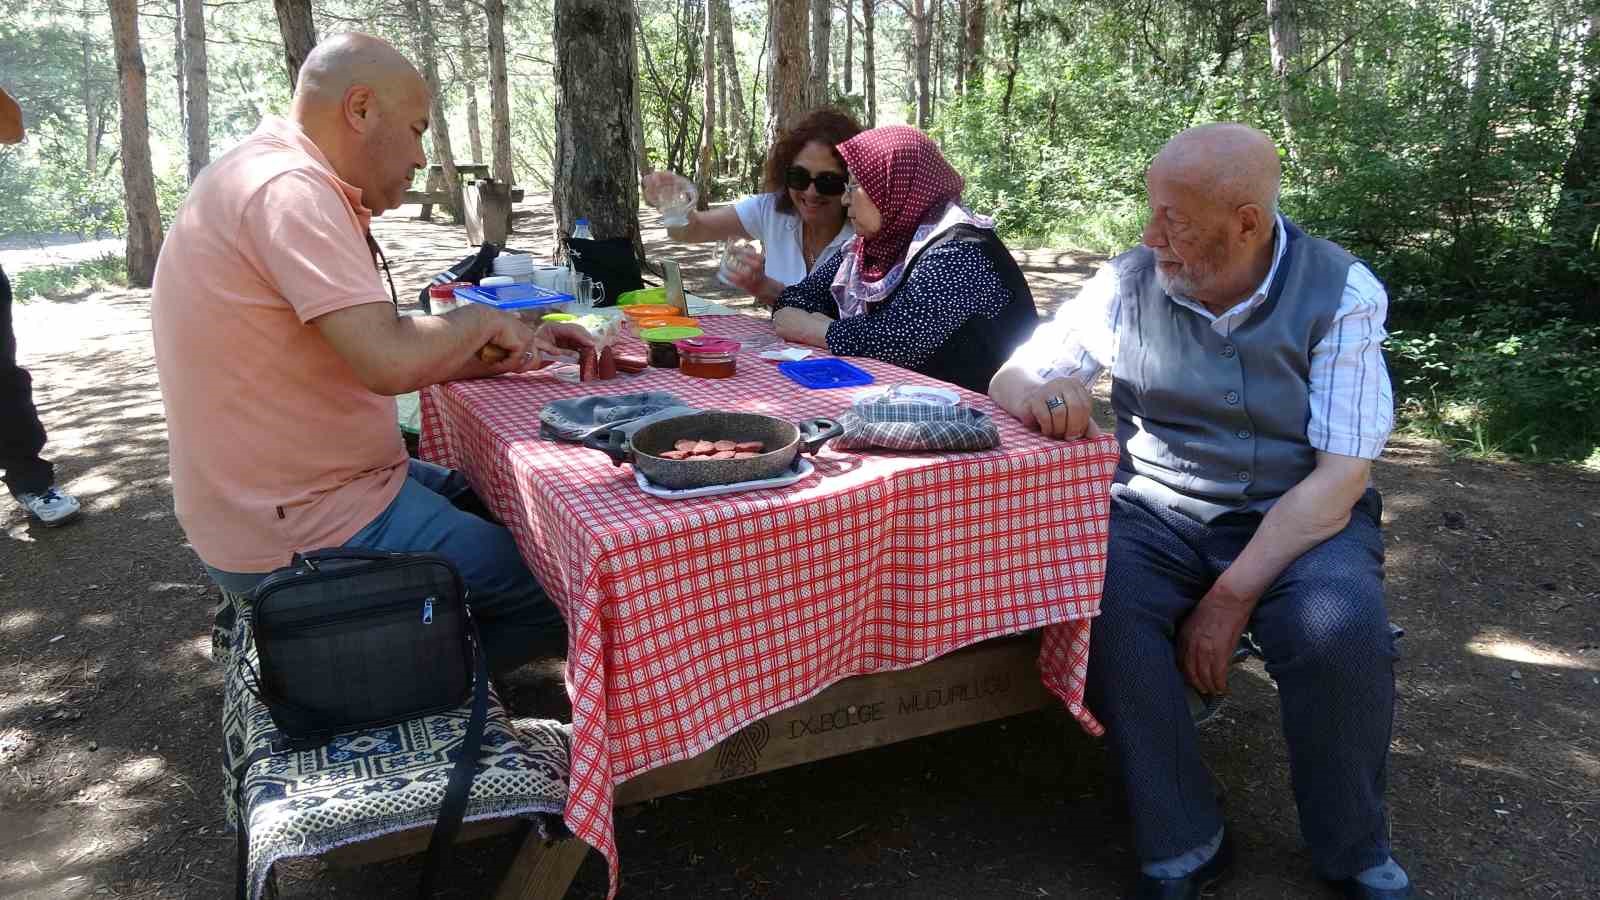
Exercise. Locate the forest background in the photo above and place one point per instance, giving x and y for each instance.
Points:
(1453, 144)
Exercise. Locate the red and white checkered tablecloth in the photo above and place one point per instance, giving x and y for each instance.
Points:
(689, 619)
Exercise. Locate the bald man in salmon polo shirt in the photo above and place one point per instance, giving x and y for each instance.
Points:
(280, 351)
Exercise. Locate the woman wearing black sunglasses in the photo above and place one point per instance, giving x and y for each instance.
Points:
(926, 284)
(799, 221)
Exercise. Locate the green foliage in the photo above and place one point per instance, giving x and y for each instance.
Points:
(1522, 381)
(54, 282)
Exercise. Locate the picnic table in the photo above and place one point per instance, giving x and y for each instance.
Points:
(694, 624)
(434, 191)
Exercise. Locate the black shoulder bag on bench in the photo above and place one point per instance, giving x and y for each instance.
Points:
(354, 639)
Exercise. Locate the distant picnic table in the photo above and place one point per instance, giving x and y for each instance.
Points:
(434, 192)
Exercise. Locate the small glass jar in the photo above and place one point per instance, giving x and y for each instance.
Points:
(663, 344)
(663, 354)
(442, 297)
(708, 357)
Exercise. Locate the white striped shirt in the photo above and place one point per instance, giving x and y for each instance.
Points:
(1352, 403)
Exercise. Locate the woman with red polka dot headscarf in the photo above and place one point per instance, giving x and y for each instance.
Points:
(925, 284)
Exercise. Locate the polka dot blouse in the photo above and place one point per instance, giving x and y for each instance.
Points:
(948, 285)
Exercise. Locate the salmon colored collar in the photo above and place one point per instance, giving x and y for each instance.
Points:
(290, 132)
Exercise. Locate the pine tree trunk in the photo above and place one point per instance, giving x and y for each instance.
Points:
(91, 108)
(743, 140)
(708, 106)
(500, 94)
(821, 52)
(972, 47)
(138, 180)
(471, 36)
(921, 41)
(197, 78)
(869, 67)
(1013, 60)
(849, 47)
(1283, 34)
(938, 51)
(640, 153)
(299, 34)
(1576, 217)
(596, 175)
(790, 67)
(421, 12)
(177, 63)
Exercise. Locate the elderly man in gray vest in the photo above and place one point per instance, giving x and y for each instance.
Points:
(1251, 397)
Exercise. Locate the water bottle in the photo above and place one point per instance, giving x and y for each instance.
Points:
(581, 230)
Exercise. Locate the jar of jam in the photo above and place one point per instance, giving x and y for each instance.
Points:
(708, 357)
(662, 343)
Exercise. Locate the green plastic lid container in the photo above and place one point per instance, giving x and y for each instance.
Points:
(643, 295)
(670, 333)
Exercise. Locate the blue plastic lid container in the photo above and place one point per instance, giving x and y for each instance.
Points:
(512, 297)
(827, 372)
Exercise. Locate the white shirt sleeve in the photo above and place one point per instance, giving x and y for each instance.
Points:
(1352, 403)
(756, 213)
(1080, 340)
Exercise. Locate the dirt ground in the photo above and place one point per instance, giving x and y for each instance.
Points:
(109, 762)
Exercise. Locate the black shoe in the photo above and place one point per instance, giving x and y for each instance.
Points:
(1190, 886)
(1356, 890)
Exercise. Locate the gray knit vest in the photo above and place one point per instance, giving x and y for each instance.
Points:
(1209, 424)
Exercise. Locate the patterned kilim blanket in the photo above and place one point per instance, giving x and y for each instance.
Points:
(370, 783)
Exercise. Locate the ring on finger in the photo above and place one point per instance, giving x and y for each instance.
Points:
(1054, 403)
(527, 356)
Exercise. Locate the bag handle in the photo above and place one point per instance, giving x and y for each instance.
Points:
(454, 806)
(312, 557)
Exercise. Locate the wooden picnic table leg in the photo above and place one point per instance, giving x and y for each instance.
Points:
(542, 871)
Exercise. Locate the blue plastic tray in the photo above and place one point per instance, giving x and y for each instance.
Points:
(824, 373)
(513, 296)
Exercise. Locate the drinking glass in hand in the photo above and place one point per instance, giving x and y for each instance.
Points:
(671, 193)
(742, 263)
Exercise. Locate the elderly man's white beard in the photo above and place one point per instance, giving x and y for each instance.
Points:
(1175, 285)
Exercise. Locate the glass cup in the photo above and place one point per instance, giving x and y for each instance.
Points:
(586, 294)
(675, 197)
(739, 257)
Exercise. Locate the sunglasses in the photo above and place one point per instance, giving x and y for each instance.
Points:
(830, 184)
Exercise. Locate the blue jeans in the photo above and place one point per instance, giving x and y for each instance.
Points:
(515, 618)
(1325, 633)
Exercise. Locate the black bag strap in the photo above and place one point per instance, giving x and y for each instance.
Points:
(454, 807)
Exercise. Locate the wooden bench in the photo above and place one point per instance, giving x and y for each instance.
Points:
(372, 795)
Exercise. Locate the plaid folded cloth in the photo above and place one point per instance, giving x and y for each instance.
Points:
(575, 418)
(898, 424)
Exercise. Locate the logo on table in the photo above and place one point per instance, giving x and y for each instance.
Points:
(740, 754)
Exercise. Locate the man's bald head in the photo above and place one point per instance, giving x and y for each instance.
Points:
(1232, 163)
(366, 107)
(347, 60)
(1213, 212)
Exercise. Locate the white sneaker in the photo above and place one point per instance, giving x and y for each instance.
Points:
(51, 507)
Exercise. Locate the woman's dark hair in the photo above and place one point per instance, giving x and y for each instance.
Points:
(825, 126)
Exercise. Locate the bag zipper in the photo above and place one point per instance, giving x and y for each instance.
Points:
(386, 610)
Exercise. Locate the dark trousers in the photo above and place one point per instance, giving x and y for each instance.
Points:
(21, 433)
(1324, 632)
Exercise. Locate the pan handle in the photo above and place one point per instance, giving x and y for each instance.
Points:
(613, 443)
(816, 432)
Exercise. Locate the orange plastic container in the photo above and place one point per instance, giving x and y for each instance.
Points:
(667, 322)
(649, 311)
